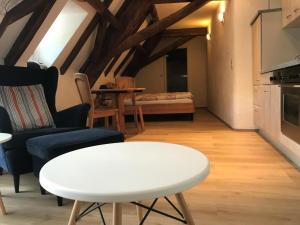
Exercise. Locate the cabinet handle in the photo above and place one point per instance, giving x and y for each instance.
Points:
(296, 10)
(288, 16)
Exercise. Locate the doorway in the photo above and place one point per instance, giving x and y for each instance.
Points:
(176, 62)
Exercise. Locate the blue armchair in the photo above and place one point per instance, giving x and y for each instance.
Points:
(14, 157)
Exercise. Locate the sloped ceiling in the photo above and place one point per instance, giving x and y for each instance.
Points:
(200, 18)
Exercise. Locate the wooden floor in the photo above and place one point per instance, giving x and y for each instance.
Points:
(250, 182)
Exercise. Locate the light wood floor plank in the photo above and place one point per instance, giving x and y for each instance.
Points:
(250, 182)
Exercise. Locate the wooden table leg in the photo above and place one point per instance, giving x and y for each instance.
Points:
(121, 107)
(139, 211)
(117, 214)
(184, 208)
(74, 213)
(2, 208)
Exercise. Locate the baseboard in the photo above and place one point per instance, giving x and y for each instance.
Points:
(282, 150)
(228, 125)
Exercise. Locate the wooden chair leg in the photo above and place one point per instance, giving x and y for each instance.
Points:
(117, 121)
(141, 118)
(2, 208)
(184, 208)
(139, 211)
(74, 213)
(91, 122)
(106, 122)
(117, 214)
(136, 119)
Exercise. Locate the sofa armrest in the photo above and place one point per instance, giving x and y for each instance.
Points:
(5, 123)
(75, 116)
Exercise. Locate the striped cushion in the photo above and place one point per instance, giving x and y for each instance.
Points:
(26, 107)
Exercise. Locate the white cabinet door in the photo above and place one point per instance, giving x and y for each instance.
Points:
(287, 12)
(258, 117)
(275, 112)
(256, 51)
(266, 128)
(291, 13)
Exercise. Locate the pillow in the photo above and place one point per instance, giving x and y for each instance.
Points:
(26, 106)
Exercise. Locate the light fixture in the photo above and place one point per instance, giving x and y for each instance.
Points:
(208, 37)
(221, 17)
(221, 14)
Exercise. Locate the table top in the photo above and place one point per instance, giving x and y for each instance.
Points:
(4, 137)
(117, 90)
(124, 172)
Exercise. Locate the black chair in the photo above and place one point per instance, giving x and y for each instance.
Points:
(14, 157)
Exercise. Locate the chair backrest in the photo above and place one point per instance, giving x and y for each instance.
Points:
(23, 76)
(84, 90)
(125, 82)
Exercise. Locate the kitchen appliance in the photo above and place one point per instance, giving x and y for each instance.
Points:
(286, 75)
(290, 111)
(289, 78)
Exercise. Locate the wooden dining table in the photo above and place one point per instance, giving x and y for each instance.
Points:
(119, 94)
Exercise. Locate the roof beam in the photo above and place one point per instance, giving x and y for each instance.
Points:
(184, 32)
(141, 57)
(122, 64)
(82, 40)
(172, 46)
(28, 32)
(19, 11)
(102, 9)
(169, 1)
(111, 65)
(132, 14)
(159, 26)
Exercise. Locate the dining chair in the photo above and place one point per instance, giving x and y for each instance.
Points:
(132, 108)
(84, 90)
(2, 208)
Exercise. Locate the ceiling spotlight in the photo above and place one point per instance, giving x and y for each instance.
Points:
(208, 37)
(221, 17)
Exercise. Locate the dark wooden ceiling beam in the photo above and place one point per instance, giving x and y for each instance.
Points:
(81, 41)
(169, 1)
(111, 65)
(101, 32)
(159, 26)
(141, 57)
(102, 9)
(184, 32)
(132, 14)
(19, 11)
(172, 46)
(28, 32)
(123, 63)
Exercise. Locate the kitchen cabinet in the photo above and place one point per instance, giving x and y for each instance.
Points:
(256, 51)
(271, 45)
(291, 13)
(267, 110)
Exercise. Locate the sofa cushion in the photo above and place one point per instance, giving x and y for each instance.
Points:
(19, 139)
(26, 106)
(50, 146)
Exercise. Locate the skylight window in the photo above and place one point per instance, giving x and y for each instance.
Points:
(58, 35)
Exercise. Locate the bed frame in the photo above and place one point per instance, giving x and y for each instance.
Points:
(180, 108)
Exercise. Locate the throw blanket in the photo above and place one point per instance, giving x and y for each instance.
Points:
(164, 96)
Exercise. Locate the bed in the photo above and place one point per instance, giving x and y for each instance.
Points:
(165, 103)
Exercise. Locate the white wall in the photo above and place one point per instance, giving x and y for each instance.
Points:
(230, 94)
(153, 76)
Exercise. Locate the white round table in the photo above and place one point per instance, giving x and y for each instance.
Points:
(4, 137)
(125, 172)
